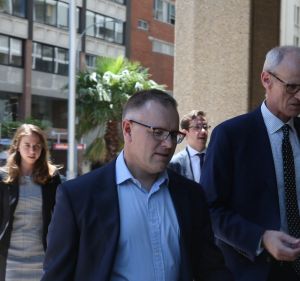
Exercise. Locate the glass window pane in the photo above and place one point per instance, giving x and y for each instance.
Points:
(89, 23)
(47, 58)
(109, 29)
(171, 13)
(4, 49)
(158, 9)
(77, 18)
(119, 32)
(19, 7)
(36, 55)
(91, 61)
(38, 11)
(62, 15)
(51, 12)
(100, 30)
(15, 52)
(6, 6)
(61, 61)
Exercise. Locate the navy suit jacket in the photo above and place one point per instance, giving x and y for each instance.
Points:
(240, 184)
(84, 232)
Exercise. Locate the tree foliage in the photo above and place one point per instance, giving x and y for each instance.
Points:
(8, 128)
(101, 95)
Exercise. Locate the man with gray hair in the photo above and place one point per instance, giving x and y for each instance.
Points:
(251, 177)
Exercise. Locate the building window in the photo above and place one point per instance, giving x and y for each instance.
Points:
(53, 12)
(50, 59)
(11, 51)
(100, 26)
(62, 15)
(107, 28)
(162, 47)
(164, 10)
(90, 61)
(118, 1)
(142, 24)
(297, 15)
(61, 61)
(14, 7)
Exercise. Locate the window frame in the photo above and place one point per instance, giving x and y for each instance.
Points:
(9, 51)
(13, 9)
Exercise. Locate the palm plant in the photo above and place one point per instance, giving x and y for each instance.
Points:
(100, 97)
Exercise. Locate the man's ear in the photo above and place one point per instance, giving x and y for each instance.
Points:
(126, 128)
(184, 131)
(266, 80)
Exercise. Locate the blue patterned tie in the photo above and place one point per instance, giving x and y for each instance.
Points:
(292, 210)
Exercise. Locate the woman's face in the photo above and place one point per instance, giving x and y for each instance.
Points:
(30, 148)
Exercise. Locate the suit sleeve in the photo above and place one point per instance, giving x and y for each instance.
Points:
(61, 254)
(222, 182)
(208, 261)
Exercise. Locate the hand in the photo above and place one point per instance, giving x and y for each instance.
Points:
(280, 245)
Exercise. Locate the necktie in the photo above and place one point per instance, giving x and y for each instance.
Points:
(292, 210)
(201, 157)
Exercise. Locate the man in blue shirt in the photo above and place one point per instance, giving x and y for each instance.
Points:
(132, 219)
(189, 161)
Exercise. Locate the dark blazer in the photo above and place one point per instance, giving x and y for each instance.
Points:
(84, 232)
(240, 184)
(181, 163)
(9, 195)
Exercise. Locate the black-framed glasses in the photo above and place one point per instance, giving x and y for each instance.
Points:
(292, 89)
(162, 134)
(200, 127)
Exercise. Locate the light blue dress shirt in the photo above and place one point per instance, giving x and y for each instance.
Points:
(148, 248)
(274, 126)
(195, 162)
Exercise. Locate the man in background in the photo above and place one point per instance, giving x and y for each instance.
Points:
(189, 161)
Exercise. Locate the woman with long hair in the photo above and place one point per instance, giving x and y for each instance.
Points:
(28, 185)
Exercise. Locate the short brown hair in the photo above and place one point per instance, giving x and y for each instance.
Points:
(139, 99)
(186, 119)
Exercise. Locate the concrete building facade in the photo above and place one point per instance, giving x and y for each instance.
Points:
(34, 57)
(220, 49)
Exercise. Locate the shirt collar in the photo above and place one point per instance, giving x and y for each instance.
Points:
(273, 123)
(123, 174)
(194, 152)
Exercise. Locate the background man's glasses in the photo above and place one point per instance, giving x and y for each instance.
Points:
(292, 89)
(162, 134)
(200, 127)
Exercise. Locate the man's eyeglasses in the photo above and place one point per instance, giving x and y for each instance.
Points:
(292, 89)
(200, 127)
(162, 134)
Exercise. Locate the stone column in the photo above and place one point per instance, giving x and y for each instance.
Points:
(219, 51)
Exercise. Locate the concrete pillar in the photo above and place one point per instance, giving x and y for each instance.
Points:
(219, 51)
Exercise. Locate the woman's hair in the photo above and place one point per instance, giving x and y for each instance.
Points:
(42, 170)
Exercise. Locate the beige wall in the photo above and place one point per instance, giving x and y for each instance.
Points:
(219, 51)
(212, 57)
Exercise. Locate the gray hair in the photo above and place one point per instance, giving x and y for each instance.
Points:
(276, 55)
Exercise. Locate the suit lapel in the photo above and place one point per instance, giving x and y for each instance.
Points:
(297, 126)
(181, 204)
